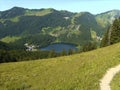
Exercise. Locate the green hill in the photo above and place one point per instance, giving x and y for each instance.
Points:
(76, 72)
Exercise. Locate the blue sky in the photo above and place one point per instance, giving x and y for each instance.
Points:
(93, 6)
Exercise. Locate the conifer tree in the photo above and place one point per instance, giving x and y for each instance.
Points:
(89, 46)
(112, 35)
(105, 41)
(70, 51)
(63, 53)
(115, 33)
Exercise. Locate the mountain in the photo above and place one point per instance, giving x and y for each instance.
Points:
(107, 18)
(52, 25)
(15, 11)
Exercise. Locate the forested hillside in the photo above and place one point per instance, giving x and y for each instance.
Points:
(18, 24)
(46, 26)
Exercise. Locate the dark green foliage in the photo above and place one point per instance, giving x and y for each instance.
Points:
(89, 46)
(87, 22)
(38, 39)
(31, 22)
(64, 52)
(71, 51)
(21, 55)
(52, 53)
(69, 37)
(4, 46)
(3, 57)
(115, 34)
(104, 41)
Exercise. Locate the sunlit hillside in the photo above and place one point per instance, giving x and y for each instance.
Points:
(76, 72)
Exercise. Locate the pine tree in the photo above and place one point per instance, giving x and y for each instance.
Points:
(105, 41)
(70, 51)
(112, 35)
(89, 46)
(115, 34)
(52, 53)
(63, 53)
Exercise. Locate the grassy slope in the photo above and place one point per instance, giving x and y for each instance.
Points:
(38, 13)
(76, 72)
(9, 39)
(115, 84)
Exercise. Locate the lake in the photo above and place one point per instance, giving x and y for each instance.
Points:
(58, 47)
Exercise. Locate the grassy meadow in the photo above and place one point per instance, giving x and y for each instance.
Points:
(9, 39)
(115, 84)
(76, 72)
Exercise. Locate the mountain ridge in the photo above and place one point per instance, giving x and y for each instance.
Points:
(16, 7)
(63, 26)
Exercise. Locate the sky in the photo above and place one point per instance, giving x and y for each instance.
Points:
(92, 6)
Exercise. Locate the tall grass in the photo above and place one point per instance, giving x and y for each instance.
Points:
(76, 72)
(115, 84)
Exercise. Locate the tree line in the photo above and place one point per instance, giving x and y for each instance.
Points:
(7, 55)
(112, 35)
(22, 55)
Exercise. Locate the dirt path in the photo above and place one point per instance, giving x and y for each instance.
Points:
(106, 80)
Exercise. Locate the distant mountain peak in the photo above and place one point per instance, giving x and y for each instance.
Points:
(13, 12)
(114, 11)
(16, 8)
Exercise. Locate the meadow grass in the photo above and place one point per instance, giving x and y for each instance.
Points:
(115, 84)
(9, 39)
(36, 13)
(76, 72)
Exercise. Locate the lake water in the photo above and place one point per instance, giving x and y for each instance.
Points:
(58, 47)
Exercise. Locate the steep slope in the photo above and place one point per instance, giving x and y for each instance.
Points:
(87, 22)
(31, 24)
(80, 71)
